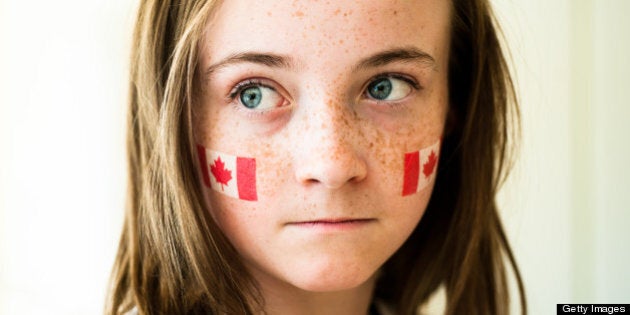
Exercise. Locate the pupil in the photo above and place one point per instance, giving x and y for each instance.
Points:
(380, 89)
(251, 97)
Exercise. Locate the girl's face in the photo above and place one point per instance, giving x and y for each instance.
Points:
(327, 97)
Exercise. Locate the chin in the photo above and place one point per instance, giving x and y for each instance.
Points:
(331, 277)
(330, 285)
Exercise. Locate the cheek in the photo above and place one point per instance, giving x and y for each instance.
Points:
(388, 155)
(384, 155)
(247, 226)
(275, 169)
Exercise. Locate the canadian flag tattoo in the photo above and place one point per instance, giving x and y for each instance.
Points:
(420, 168)
(232, 175)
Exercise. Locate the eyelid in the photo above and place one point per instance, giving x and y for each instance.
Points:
(242, 85)
(393, 75)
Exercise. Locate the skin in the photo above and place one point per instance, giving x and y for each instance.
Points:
(325, 149)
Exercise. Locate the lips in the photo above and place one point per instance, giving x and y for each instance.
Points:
(332, 223)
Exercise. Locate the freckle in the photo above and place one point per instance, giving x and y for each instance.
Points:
(269, 13)
(298, 13)
(337, 12)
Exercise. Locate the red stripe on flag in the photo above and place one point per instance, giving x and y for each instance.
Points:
(412, 171)
(246, 178)
(201, 152)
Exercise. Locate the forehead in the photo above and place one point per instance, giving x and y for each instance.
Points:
(316, 32)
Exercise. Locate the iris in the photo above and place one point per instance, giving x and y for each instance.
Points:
(251, 97)
(380, 89)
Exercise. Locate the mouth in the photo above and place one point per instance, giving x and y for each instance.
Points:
(332, 223)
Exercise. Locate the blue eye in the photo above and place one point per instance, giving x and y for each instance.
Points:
(251, 97)
(380, 89)
(256, 96)
(389, 89)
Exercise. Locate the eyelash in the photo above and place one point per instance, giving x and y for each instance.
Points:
(414, 84)
(239, 87)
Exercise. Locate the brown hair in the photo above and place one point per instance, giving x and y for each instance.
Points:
(460, 241)
(173, 259)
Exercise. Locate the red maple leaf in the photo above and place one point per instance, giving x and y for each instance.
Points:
(220, 173)
(429, 166)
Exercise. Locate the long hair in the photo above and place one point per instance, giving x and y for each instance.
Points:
(172, 257)
(460, 242)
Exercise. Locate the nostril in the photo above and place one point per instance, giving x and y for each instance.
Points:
(330, 181)
(356, 179)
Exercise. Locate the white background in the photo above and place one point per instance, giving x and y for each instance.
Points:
(63, 72)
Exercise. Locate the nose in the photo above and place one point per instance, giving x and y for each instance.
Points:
(329, 152)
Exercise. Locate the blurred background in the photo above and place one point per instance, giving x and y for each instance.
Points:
(63, 72)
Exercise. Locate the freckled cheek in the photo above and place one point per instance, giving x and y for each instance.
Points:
(275, 172)
(228, 212)
(210, 125)
(273, 163)
(385, 163)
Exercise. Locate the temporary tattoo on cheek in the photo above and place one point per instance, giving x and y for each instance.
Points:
(232, 175)
(420, 167)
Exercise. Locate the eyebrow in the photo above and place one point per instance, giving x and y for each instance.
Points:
(269, 60)
(405, 54)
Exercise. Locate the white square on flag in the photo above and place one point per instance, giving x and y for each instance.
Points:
(232, 175)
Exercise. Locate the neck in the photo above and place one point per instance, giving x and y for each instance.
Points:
(283, 298)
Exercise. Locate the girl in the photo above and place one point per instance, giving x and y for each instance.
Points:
(312, 157)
